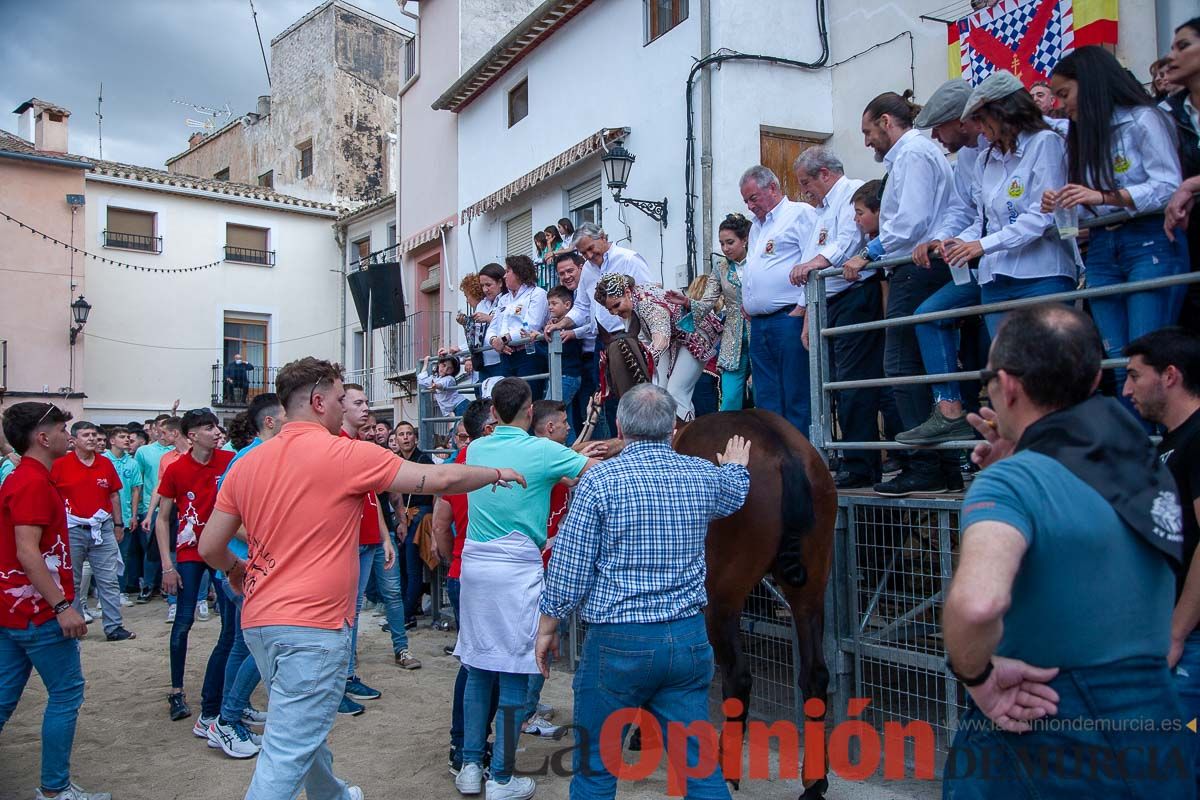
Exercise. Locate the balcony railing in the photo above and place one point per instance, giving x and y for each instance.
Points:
(247, 255)
(133, 241)
(233, 387)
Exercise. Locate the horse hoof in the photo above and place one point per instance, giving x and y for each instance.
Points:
(816, 791)
(635, 741)
(737, 785)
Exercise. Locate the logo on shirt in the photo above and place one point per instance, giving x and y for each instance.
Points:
(1167, 516)
(191, 495)
(1121, 163)
(823, 237)
(770, 248)
(102, 483)
(1016, 188)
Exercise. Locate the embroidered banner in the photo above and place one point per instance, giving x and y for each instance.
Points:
(1027, 37)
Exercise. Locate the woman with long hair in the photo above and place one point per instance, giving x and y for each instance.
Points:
(567, 229)
(1121, 157)
(520, 313)
(491, 288)
(1183, 69)
(725, 285)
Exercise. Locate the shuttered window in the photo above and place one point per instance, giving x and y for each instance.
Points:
(518, 237)
(139, 223)
(584, 194)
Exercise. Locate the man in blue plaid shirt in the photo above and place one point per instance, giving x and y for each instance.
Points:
(631, 552)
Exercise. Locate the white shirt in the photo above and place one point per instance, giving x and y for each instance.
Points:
(445, 390)
(962, 210)
(1010, 195)
(586, 313)
(836, 235)
(777, 243)
(917, 193)
(627, 262)
(526, 310)
(1145, 158)
(490, 356)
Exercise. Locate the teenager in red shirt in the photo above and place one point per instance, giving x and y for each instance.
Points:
(38, 625)
(189, 487)
(90, 489)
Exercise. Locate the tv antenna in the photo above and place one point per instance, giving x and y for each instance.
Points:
(100, 119)
(210, 114)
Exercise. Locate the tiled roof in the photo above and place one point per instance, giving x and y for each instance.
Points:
(15, 144)
(39, 105)
(349, 215)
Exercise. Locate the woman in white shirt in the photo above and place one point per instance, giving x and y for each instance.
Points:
(491, 283)
(520, 313)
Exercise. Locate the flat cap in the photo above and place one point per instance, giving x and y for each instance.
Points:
(945, 104)
(999, 84)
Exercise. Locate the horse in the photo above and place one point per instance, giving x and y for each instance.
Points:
(785, 529)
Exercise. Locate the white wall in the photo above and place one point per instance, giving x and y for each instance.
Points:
(175, 322)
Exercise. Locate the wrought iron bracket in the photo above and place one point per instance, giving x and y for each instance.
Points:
(654, 209)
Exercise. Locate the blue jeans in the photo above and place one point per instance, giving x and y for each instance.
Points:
(241, 673)
(453, 588)
(305, 671)
(780, 365)
(214, 672)
(477, 700)
(56, 659)
(939, 340)
(105, 559)
(1002, 287)
(665, 668)
(387, 582)
(190, 574)
(1079, 760)
(1187, 683)
(412, 568)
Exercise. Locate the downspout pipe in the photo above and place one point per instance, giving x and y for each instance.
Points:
(706, 135)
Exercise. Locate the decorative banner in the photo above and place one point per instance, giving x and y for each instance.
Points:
(1027, 37)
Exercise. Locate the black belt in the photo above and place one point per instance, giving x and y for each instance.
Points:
(787, 310)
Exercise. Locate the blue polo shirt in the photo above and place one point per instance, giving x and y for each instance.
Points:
(236, 545)
(147, 458)
(130, 474)
(544, 463)
(1081, 557)
(6, 469)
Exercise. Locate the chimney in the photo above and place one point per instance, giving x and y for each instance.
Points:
(195, 139)
(264, 105)
(49, 124)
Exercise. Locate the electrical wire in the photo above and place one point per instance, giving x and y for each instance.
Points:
(195, 349)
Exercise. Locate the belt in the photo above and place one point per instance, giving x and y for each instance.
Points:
(1123, 223)
(781, 312)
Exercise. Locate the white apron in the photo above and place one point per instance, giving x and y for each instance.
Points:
(501, 586)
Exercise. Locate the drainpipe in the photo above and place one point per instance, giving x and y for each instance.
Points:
(706, 157)
(339, 236)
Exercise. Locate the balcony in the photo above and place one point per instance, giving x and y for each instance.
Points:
(231, 388)
(133, 241)
(246, 255)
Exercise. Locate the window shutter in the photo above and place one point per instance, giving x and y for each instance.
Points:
(583, 194)
(518, 237)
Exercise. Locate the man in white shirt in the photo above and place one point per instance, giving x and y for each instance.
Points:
(583, 322)
(780, 235)
(857, 356)
(592, 243)
(915, 197)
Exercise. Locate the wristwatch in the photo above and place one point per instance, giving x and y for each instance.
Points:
(61, 606)
(978, 680)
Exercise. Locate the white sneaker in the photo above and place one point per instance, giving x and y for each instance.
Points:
(540, 726)
(73, 792)
(125, 601)
(170, 613)
(355, 793)
(544, 711)
(469, 779)
(252, 716)
(200, 729)
(235, 739)
(87, 615)
(202, 610)
(518, 788)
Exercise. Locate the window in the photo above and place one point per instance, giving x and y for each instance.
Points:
(246, 334)
(410, 59)
(518, 103)
(132, 230)
(306, 158)
(267, 179)
(221, 175)
(518, 235)
(362, 249)
(662, 16)
(583, 201)
(778, 151)
(391, 235)
(248, 245)
(359, 358)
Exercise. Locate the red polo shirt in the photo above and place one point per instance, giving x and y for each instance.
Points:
(29, 497)
(85, 489)
(368, 528)
(193, 487)
(458, 505)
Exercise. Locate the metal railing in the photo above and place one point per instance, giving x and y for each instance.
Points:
(375, 383)
(234, 388)
(133, 241)
(248, 255)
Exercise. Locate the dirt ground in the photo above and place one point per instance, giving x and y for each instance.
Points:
(126, 744)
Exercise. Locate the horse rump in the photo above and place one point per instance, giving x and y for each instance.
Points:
(797, 519)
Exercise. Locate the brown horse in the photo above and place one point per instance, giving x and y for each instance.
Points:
(785, 529)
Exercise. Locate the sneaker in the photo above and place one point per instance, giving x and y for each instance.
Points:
(143, 597)
(892, 467)
(87, 615)
(907, 483)
(255, 737)
(469, 780)
(454, 762)
(125, 601)
(517, 788)
(119, 634)
(384, 627)
(849, 480)
(73, 792)
(179, 706)
(406, 660)
(937, 429)
(540, 726)
(233, 739)
(360, 691)
(350, 708)
(252, 716)
(171, 614)
(355, 793)
(409, 624)
(449, 649)
(202, 610)
(200, 729)
(544, 711)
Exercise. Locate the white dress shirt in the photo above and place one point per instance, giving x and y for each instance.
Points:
(916, 195)
(627, 262)
(486, 306)
(1145, 159)
(836, 235)
(1010, 195)
(586, 313)
(525, 310)
(777, 243)
(962, 210)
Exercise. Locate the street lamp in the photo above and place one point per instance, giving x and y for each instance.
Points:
(617, 163)
(79, 313)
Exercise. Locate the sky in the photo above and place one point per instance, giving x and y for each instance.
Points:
(148, 53)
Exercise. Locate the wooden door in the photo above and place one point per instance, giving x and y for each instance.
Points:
(778, 151)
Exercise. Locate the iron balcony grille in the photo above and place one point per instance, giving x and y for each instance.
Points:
(133, 241)
(247, 255)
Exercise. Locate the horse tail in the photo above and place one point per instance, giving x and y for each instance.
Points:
(797, 517)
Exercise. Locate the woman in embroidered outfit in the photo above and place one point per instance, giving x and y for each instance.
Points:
(520, 313)
(677, 356)
(1121, 157)
(725, 287)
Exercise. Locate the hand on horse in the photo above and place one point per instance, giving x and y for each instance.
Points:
(592, 449)
(1015, 694)
(737, 451)
(994, 447)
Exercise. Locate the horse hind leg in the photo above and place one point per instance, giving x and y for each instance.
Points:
(725, 636)
(812, 672)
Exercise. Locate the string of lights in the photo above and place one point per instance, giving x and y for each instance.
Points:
(70, 247)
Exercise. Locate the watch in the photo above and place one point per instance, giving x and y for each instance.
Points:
(978, 680)
(61, 606)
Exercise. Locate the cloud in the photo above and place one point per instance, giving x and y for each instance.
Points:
(147, 53)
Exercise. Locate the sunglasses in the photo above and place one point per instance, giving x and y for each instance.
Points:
(986, 376)
(49, 407)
